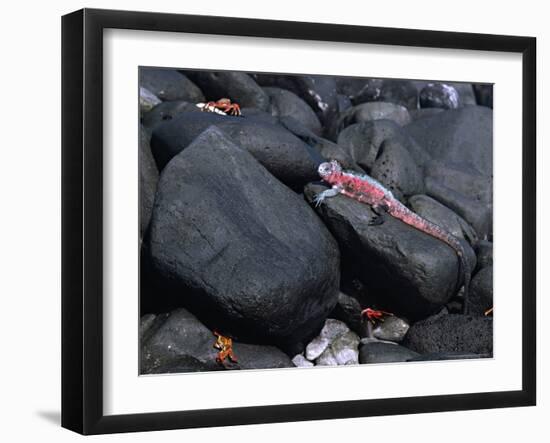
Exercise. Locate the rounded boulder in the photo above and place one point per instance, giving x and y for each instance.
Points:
(237, 247)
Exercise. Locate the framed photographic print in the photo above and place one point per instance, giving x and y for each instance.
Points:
(273, 221)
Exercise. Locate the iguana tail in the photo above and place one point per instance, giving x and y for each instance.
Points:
(404, 214)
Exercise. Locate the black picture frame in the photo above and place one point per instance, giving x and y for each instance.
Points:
(82, 218)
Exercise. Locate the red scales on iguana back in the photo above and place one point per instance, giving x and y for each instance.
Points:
(367, 190)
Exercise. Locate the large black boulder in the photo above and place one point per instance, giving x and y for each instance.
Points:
(410, 272)
(382, 352)
(362, 141)
(417, 114)
(399, 92)
(287, 104)
(484, 94)
(484, 252)
(461, 136)
(167, 111)
(372, 111)
(481, 292)
(472, 184)
(237, 86)
(148, 178)
(439, 214)
(287, 157)
(344, 103)
(239, 248)
(463, 190)
(326, 149)
(350, 86)
(169, 85)
(181, 343)
(465, 92)
(397, 169)
(451, 333)
(318, 91)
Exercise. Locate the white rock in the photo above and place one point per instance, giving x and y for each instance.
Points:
(344, 350)
(147, 100)
(316, 347)
(332, 329)
(301, 362)
(327, 358)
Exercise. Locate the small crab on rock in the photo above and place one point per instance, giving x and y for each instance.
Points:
(374, 315)
(223, 106)
(225, 347)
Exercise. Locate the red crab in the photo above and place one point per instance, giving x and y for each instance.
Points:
(223, 105)
(225, 346)
(374, 315)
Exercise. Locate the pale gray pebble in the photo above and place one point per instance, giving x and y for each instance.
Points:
(391, 329)
(332, 329)
(147, 100)
(344, 350)
(316, 347)
(327, 358)
(301, 362)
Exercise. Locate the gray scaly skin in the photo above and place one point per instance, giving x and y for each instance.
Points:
(367, 190)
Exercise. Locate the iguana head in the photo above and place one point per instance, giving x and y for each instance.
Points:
(327, 169)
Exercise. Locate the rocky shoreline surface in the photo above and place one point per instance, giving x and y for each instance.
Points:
(232, 240)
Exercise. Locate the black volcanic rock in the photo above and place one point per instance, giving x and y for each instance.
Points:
(481, 291)
(318, 91)
(461, 137)
(181, 343)
(410, 272)
(484, 95)
(166, 111)
(439, 214)
(465, 191)
(372, 111)
(326, 149)
(397, 170)
(399, 92)
(287, 157)
(484, 252)
(362, 141)
(148, 178)
(169, 85)
(287, 104)
(242, 251)
(451, 333)
(239, 87)
(381, 352)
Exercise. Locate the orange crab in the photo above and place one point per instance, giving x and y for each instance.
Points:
(222, 106)
(225, 346)
(374, 315)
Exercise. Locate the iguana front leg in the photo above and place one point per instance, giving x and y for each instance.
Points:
(333, 192)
